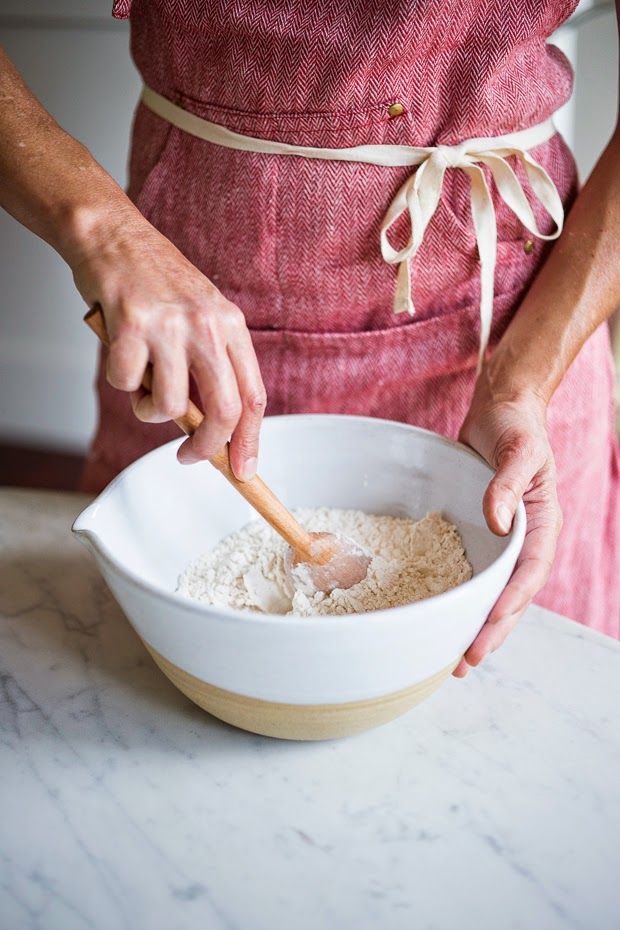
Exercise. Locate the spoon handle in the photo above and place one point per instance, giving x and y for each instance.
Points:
(255, 491)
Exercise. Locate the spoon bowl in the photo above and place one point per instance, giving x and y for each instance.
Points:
(336, 562)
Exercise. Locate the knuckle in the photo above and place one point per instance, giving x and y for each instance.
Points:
(196, 312)
(227, 412)
(539, 569)
(256, 400)
(201, 318)
(544, 570)
(246, 445)
(127, 329)
(524, 592)
(232, 315)
(133, 320)
(171, 324)
(205, 331)
(547, 565)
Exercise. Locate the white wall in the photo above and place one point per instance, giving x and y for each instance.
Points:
(75, 58)
(590, 40)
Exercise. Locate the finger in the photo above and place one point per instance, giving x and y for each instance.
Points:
(169, 394)
(491, 637)
(461, 670)
(219, 396)
(244, 442)
(127, 359)
(170, 386)
(529, 577)
(145, 409)
(137, 398)
(516, 467)
(536, 558)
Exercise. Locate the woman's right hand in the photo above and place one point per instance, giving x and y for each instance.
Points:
(158, 307)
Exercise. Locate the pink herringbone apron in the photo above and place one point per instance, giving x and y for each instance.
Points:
(295, 241)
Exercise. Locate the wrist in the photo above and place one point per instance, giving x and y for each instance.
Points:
(88, 224)
(504, 380)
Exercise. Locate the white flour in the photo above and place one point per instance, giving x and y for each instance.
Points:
(411, 560)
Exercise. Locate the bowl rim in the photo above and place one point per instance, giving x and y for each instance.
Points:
(404, 611)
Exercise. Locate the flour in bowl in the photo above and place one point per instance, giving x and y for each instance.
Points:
(412, 559)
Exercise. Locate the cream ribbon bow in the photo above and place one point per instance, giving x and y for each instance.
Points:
(421, 191)
(420, 196)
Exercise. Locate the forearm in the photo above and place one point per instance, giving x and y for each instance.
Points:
(48, 180)
(575, 291)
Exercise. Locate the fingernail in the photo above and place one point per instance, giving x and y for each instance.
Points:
(188, 458)
(504, 517)
(248, 469)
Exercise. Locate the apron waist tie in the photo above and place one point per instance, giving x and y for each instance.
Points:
(420, 193)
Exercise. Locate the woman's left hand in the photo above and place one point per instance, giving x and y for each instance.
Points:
(511, 434)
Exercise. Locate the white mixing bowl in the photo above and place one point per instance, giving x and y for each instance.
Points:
(295, 677)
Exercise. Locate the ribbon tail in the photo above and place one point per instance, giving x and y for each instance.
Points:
(513, 195)
(403, 302)
(546, 191)
(395, 210)
(483, 215)
(420, 196)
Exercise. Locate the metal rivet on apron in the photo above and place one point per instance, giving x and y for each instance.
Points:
(528, 246)
(395, 109)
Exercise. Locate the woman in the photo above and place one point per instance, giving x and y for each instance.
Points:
(246, 268)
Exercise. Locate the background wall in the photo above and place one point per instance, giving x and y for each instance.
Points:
(75, 58)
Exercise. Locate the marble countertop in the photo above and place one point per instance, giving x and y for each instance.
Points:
(494, 805)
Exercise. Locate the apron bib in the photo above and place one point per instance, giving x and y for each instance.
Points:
(297, 242)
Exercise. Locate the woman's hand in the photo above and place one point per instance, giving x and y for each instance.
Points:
(510, 433)
(158, 307)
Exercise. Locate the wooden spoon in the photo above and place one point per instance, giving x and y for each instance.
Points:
(316, 561)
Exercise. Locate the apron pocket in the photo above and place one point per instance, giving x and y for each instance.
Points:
(421, 372)
(337, 128)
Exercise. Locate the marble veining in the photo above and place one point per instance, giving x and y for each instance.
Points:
(494, 805)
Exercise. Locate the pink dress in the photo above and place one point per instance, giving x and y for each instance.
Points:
(295, 242)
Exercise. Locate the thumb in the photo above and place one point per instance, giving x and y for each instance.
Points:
(517, 464)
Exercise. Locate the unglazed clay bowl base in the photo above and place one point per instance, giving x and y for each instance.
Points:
(299, 677)
(298, 721)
